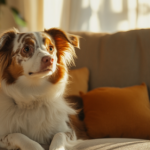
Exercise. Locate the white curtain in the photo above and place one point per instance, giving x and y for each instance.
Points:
(46, 14)
(97, 15)
(33, 13)
(57, 14)
(80, 15)
(109, 15)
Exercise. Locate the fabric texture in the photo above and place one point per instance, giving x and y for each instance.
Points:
(78, 81)
(110, 144)
(117, 112)
(115, 60)
(114, 144)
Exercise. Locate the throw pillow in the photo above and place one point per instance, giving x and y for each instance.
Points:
(117, 112)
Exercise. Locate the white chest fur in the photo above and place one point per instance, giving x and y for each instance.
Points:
(39, 123)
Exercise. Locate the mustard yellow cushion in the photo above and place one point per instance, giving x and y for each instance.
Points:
(78, 81)
(117, 112)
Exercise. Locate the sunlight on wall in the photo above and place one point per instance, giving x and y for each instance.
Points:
(116, 6)
(143, 14)
(94, 24)
(85, 3)
(138, 14)
(115, 15)
(131, 20)
(52, 13)
(97, 15)
(123, 25)
(132, 14)
(84, 26)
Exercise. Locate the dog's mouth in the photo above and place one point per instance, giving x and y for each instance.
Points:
(40, 72)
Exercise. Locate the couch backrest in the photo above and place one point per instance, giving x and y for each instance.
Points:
(119, 60)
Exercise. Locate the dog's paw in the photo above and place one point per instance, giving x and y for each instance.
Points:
(7, 142)
(17, 141)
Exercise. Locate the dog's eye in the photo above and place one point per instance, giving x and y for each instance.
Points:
(50, 48)
(26, 49)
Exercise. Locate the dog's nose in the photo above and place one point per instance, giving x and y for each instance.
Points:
(46, 59)
(46, 62)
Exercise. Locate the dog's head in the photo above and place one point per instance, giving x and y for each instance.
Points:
(36, 54)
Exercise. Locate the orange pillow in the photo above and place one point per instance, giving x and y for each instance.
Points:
(117, 112)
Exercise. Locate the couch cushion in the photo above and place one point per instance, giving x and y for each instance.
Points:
(110, 144)
(114, 144)
(120, 59)
(78, 81)
(117, 112)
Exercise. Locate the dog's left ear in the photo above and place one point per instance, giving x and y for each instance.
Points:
(58, 34)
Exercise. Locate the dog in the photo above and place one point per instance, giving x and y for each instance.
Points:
(34, 75)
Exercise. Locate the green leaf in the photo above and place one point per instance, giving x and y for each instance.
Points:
(18, 18)
(3, 2)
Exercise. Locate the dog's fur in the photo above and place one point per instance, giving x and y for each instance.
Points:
(33, 74)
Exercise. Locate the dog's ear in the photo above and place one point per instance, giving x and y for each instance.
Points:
(57, 34)
(6, 46)
(65, 44)
(7, 37)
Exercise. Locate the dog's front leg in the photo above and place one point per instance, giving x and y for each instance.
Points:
(63, 141)
(58, 142)
(19, 141)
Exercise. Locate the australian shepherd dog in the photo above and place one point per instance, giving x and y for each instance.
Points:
(33, 75)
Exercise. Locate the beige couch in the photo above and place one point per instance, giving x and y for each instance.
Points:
(115, 60)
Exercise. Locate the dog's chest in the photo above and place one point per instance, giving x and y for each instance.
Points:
(39, 124)
(43, 123)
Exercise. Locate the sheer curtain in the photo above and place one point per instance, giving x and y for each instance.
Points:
(109, 15)
(46, 14)
(57, 14)
(87, 15)
(33, 13)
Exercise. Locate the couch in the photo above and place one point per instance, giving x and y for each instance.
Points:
(120, 59)
(115, 60)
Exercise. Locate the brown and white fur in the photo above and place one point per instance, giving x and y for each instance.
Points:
(33, 74)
